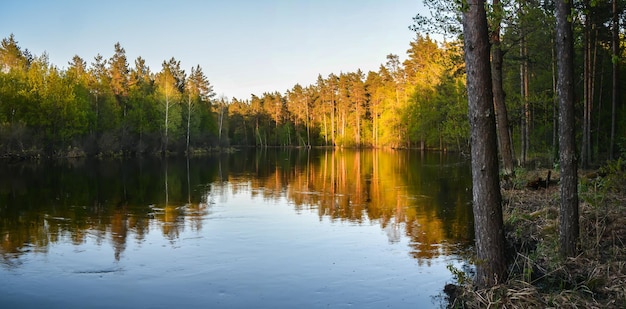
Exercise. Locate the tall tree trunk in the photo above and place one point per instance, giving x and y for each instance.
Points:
(308, 126)
(220, 122)
(374, 142)
(358, 125)
(599, 118)
(502, 121)
(488, 226)
(525, 121)
(167, 112)
(568, 214)
(188, 122)
(615, 76)
(97, 118)
(332, 119)
(592, 96)
(584, 149)
(325, 132)
(555, 110)
(276, 122)
(258, 132)
(245, 131)
(342, 126)
(590, 53)
(140, 146)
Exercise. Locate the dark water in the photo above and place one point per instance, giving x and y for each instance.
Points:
(272, 229)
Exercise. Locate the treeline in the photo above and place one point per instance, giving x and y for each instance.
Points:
(111, 108)
(105, 108)
(420, 102)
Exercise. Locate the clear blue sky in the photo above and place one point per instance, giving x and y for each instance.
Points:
(243, 46)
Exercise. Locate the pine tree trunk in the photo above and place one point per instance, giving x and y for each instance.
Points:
(357, 137)
(586, 92)
(139, 148)
(167, 111)
(599, 117)
(568, 214)
(374, 144)
(615, 76)
(589, 82)
(325, 132)
(221, 123)
(488, 226)
(525, 120)
(332, 120)
(245, 132)
(308, 126)
(188, 123)
(502, 121)
(555, 109)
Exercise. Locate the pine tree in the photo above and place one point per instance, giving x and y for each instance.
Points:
(488, 224)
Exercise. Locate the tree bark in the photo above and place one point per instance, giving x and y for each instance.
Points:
(615, 76)
(555, 109)
(584, 149)
(220, 121)
(188, 123)
(525, 120)
(502, 120)
(167, 112)
(488, 226)
(308, 125)
(568, 214)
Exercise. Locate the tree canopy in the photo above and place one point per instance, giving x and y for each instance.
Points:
(114, 105)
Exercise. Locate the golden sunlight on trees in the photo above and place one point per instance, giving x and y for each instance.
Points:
(170, 85)
(398, 107)
(112, 108)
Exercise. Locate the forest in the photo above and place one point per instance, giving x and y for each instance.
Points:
(110, 107)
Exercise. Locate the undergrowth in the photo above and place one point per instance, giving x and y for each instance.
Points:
(538, 276)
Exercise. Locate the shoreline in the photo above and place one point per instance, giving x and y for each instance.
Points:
(538, 276)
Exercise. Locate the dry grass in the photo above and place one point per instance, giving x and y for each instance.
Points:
(538, 277)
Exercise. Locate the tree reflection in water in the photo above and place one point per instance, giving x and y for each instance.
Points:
(422, 196)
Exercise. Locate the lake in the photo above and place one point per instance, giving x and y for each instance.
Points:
(264, 228)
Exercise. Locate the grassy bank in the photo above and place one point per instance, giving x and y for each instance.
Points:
(539, 277)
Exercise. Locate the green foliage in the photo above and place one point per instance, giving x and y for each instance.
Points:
(412, 100)
(106, 108)
(109, 107)
(615, 173)
(460, 276)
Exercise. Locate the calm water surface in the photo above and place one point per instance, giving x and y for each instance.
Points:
(269, 229)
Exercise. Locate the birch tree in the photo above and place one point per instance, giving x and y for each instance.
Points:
(199, 91)
(170, 83)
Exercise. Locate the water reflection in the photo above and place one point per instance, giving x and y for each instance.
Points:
(420, 196)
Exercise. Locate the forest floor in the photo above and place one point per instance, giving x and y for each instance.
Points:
(538, 276)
